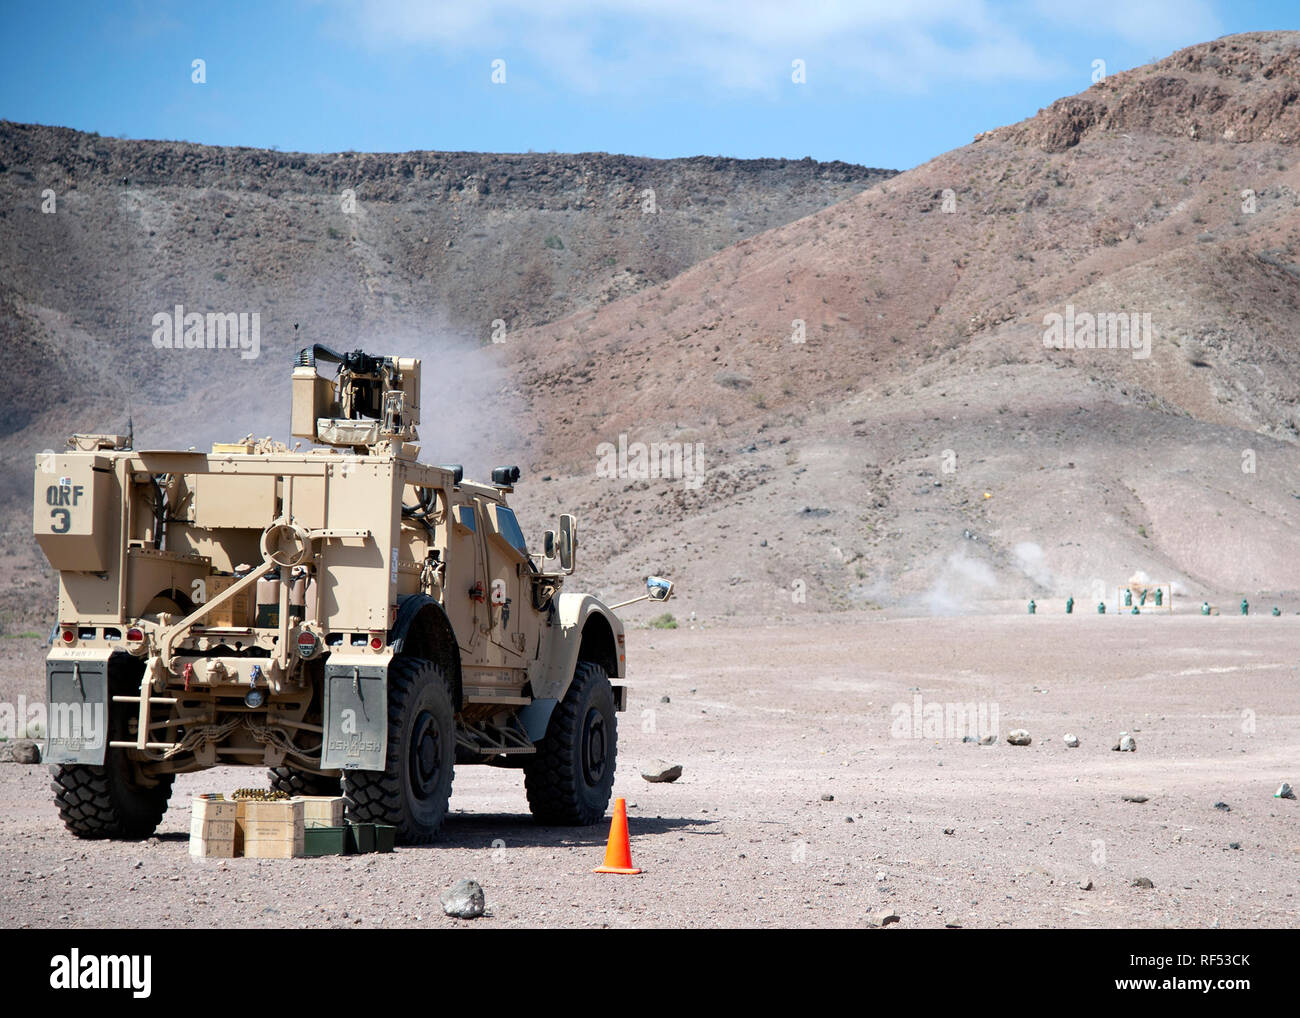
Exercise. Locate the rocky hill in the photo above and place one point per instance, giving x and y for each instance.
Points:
(895, 400)
(881, 419)
(433, 252)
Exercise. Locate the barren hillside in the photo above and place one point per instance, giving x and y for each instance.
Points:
(99, 234)
(427, 252)
(922, 446)
(866, 390)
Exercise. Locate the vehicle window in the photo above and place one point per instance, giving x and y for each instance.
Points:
(509, 528)
(466, 516)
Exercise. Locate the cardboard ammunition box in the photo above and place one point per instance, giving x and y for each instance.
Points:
(212, 828)
(270, 830)
(321, 810)
(236, 613)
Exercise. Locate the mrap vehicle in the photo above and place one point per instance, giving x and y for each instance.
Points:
(343, 616)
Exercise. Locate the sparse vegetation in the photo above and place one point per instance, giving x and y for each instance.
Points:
(664, 621)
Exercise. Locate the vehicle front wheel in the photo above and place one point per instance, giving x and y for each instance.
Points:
(571, 777)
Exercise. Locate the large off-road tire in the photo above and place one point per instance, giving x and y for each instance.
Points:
(412, 791)
(116, 800)
(570, 778)
(295, 782)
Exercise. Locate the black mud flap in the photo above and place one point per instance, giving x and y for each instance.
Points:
(536, 718)
(76, 724)
(356, 713)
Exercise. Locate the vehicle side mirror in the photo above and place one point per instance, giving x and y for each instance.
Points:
(658, 588)
(548, 545)
(568, 541)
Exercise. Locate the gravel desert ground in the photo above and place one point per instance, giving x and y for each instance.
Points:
(806, 799)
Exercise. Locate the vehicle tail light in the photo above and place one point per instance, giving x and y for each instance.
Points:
(376, 642)
(134, 635)
(69, 634)
(307, 644)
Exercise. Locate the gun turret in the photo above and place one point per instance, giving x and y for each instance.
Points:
(370, 400)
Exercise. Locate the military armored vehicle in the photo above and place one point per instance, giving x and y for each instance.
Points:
(342, 615)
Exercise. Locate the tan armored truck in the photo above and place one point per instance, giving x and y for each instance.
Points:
(342, 615)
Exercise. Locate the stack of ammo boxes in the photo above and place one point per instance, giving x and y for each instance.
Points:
(309, 825)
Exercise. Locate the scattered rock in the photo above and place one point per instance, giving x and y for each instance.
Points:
(969, 738)
(1143, 882)
(1085, 884)
(882, 917)
(464, 900)
(1133, 797)
(1126, 744)
(1072, 740)
(949, 830)
(827, 797)
(1019, 737)
(1235, 846)
(848, 820)
(660, 770)
(1223, 806)
(989, 740)
(1284, 791)
(20, 751)
(665, 699)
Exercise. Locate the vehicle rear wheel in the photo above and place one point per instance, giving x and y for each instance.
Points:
(413, 790)
(296, 782)
(116, 800)
(571, 777)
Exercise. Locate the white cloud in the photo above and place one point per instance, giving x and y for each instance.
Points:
(1160, 25)
(735, 46)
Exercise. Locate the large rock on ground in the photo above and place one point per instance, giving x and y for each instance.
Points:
(464, 900)
(21, 751)
(660, 770)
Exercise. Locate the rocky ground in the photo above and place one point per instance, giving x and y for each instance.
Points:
(805, 800)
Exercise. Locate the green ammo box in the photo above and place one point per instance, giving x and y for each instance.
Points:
(326, 841)
(361, 837)
(385, 837)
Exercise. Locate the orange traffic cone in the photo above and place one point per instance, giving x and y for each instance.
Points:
(618, 852)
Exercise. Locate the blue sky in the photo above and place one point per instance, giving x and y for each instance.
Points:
(887, 83)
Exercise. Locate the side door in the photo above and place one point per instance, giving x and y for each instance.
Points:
(508, 579)
(465, 583)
